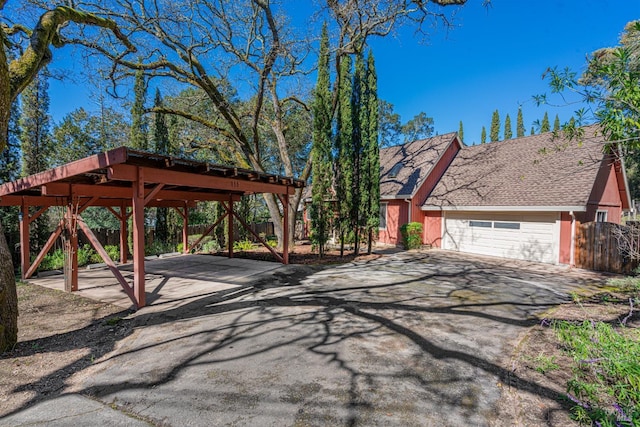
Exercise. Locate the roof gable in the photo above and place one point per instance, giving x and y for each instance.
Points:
(536, 171)
(403, 168)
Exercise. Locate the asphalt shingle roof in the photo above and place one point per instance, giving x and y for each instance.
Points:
(418, 159)
(537, 171)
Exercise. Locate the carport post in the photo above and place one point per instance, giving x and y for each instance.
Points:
(71, 250)
(185, 230)
(230, 227)
(24, 239)
(124, 246)
(138, 238)
(285, 229)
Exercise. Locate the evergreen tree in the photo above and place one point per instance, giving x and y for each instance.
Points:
(321, 155)
(161, 139)
(360, 135)
(508, 133)
(520, 124)
(35, 138)
(483, 136)
(371, 152)
(35, 143)
(139, 126)
(545, 126)
(344, 168)
(556, 124)
(533, 131)
(461, 132)
(494, 133)
(10, 157)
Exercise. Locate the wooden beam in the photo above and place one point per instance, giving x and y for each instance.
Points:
(71, 247)
(120, 192)
(37, 214)
(185, 231)
(138, 239)
(230, 227)
(209, 230)
(126, 173)
(24, 239)
(124, 241)
(45, 249)
(98, 161)
(152, 193)
(265, 244)
(105, 257)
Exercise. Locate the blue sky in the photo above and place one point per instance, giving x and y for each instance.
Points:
(493, 59)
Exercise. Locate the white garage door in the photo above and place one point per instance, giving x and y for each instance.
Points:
(531, 237)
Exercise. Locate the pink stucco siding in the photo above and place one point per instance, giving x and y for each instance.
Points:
(397, 215)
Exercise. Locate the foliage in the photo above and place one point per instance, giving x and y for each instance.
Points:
(419, 127)
(461, 132)
(556, 124)
(605, 386)
(35, 123)
(508, 133)
(212, 246)
(243, 245)
(483, 135)
(411, 235)
(390, 127)
(520, 124)
(370, 183)
(322, 159)
(545, 126)
(81, 134)
(139, 125)
(157, 248)
(494, 131)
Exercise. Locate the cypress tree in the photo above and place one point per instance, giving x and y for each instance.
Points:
(360, 135)
(545, 126)
(556, 124)
(321, 156)
(372, 154)
(533, 131)
(461, 132)
(344, 170)
(35, 143)
(483, 136)
(494, 133)
(508, 133)
(161, 138)
(139, 125)
(520, 124)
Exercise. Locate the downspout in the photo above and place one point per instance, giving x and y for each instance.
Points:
(573, 240)
(408, 210)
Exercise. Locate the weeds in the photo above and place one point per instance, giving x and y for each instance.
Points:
(544, 363)
(605, 386)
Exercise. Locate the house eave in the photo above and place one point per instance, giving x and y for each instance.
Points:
(395, 196)
(507, 208)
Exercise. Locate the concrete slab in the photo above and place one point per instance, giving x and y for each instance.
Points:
(71, 410)
(170, 281)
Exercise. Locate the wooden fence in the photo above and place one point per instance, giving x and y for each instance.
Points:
(599, 247)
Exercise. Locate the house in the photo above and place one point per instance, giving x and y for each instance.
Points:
(408, 174)
(523, 198)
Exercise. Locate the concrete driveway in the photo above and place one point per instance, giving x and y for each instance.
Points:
(409, 339)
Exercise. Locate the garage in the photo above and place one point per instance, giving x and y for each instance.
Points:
(526, 236)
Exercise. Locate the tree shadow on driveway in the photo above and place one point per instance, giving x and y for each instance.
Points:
(407, 339)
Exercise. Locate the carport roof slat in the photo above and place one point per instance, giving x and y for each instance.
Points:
(187, 177)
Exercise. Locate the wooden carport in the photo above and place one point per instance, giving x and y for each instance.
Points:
(123, 178)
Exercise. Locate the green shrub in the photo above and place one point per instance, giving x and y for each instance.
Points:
(52, 261)
(411, 235)
(211, 247)
(243, 246)
(157, 248)
(84, 255)
(272, 243)
(180, 247)
(113, 251)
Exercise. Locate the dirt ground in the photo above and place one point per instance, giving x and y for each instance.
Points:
(60, 334)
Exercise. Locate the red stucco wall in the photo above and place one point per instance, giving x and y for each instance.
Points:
(605, 196)
(565, 238)
(397, 215)
(432, 228)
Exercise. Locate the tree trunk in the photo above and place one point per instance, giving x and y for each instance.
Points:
(8, 298)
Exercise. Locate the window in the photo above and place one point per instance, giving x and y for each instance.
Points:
(383, 216)
(507, 225)
(484, 224)
(601, 216)
(395, 170)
